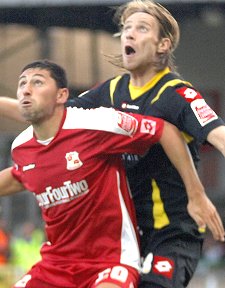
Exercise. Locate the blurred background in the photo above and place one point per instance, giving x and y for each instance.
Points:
(77, 35)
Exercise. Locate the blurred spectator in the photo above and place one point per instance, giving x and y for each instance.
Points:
(213, 253)
(4, 243)
(210, 271)
(25, 248)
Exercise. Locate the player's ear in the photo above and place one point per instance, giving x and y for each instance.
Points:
(164, 45)
(62, 95)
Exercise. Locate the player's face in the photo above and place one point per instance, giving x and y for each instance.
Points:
(37, 94)
(139, 42)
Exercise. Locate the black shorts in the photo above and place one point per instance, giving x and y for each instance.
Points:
(171, 263)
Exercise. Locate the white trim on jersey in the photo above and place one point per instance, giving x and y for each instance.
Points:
(129, 244)
(104, 119)
(23, 137)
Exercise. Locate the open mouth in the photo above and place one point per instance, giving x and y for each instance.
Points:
(129, 50)
(25, 102)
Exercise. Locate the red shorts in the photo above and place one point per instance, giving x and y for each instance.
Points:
(122, 276)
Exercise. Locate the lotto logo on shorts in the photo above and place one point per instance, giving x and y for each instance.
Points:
(163, 266)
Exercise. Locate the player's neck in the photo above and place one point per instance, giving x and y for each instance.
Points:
(140, 78)
(48, 128)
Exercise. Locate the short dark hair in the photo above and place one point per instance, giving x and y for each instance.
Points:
(56, 71)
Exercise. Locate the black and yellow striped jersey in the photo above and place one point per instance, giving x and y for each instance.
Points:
(158, 191)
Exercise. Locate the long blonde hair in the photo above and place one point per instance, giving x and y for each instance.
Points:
(168, 28)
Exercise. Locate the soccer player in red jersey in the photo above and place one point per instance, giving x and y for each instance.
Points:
(70, 159)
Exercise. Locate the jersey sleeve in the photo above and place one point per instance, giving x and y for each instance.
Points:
(187, 109)
(93, 98)
(116, 132)
(130, 133)
(16, 172)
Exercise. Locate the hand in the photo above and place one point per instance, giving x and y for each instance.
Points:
(205, 214)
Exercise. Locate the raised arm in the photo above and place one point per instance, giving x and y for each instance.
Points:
(9, 108)
(217, 138)
(200, 208)
(8, 184)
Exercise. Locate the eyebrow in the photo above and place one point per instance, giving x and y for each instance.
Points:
(140, 22)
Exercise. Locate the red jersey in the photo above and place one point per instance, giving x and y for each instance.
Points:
(79, 182)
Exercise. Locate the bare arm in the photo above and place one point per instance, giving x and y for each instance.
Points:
(9, 108)
(8, 184)
(217, 138)
(199, 207)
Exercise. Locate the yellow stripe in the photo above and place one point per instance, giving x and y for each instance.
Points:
(112, 88)
(170, 83)
(201, 230)
(187, 137)
(159, 214)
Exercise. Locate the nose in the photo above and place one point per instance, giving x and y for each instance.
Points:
(26, 89)
(23, 91)
(130, 34)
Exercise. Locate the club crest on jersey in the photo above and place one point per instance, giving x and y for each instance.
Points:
(203, 112)
(148, 126)
(73, 160)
